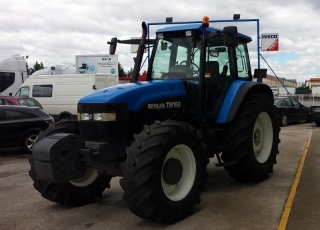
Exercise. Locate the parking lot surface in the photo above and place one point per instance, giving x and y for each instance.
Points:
(226, 203)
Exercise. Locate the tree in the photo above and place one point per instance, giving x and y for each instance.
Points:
(36, 66)
(129, 73)
(121, 70)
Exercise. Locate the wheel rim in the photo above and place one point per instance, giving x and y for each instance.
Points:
(90, 175)
(31, 141)
(284, 120)
(262, 137)
(181, 189)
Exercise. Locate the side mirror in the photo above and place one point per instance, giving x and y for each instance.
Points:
(259, 74)
(230, 36)
(113, 46)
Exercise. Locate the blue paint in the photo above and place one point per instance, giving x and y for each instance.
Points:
(196, 27)
(227, 103)
(136, 94)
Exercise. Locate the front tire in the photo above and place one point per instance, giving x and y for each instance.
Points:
(164, 171)
(74, 192)
(253, 140)
(284, 120)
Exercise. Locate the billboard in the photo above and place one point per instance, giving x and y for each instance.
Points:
(270, 42)
(97, 63)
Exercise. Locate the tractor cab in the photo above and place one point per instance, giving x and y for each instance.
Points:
(177, 55)
(204, 59)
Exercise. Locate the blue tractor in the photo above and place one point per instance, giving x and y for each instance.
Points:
(199, 102)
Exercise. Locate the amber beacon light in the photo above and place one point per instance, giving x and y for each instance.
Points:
(205, 21)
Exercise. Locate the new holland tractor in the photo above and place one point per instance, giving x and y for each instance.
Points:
(198, 102)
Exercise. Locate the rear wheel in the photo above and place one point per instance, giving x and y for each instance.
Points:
(317, 123)
(74, 192)
(164, 171)
(253, 140)
(29, 141)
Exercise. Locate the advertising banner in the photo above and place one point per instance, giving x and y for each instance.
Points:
(270, 42)
(97, 63)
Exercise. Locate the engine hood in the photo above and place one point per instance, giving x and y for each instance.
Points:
(136, 94)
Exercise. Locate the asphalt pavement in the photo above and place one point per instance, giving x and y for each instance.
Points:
(226, 203)
(305, 210)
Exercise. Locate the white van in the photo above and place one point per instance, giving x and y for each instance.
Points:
(59, 94)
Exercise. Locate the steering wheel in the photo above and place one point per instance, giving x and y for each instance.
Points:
(194, 71)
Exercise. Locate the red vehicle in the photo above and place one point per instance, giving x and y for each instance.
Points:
(22, 101)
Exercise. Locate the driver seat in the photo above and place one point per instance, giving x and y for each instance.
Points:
(213, 68)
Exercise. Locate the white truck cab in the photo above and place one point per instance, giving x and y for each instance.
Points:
(13, 72)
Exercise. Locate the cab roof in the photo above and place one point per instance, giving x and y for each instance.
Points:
(242, 38)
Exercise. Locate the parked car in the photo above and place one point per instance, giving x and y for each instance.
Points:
(315, 114)
(23, 101)
(20, 126)
(290, 110)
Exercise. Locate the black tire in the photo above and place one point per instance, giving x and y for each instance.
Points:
(68, 193)
(317, 123)
(29, 140)
(76, 192)
(62, 126)
(284, 120)
(154, 164)
(252, 140)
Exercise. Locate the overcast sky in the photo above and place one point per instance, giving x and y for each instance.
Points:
(55, 31)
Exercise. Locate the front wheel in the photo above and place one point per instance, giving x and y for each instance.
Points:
(252, 140)
(164, 171)
(284, 120)
(74, 192)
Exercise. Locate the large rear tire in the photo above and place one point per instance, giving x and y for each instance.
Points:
(252, 140)
(164, 171)
(74, 192)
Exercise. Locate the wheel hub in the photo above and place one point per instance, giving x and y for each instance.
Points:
(172, 171)
(257, 136)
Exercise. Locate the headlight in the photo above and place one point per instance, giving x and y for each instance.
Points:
(84, 116)
(108, 116)
(97, 117)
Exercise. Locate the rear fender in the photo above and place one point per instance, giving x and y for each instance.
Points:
(235, 96)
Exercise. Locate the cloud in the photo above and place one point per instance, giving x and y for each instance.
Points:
(56, 31)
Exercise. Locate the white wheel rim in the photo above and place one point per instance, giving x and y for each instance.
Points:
(31, 141)
(90, 175)
(262, 137)
(180, 190)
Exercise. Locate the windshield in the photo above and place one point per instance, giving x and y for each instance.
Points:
(178, 57)
(177, 54)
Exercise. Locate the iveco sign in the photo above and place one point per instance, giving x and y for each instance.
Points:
(270, 42)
